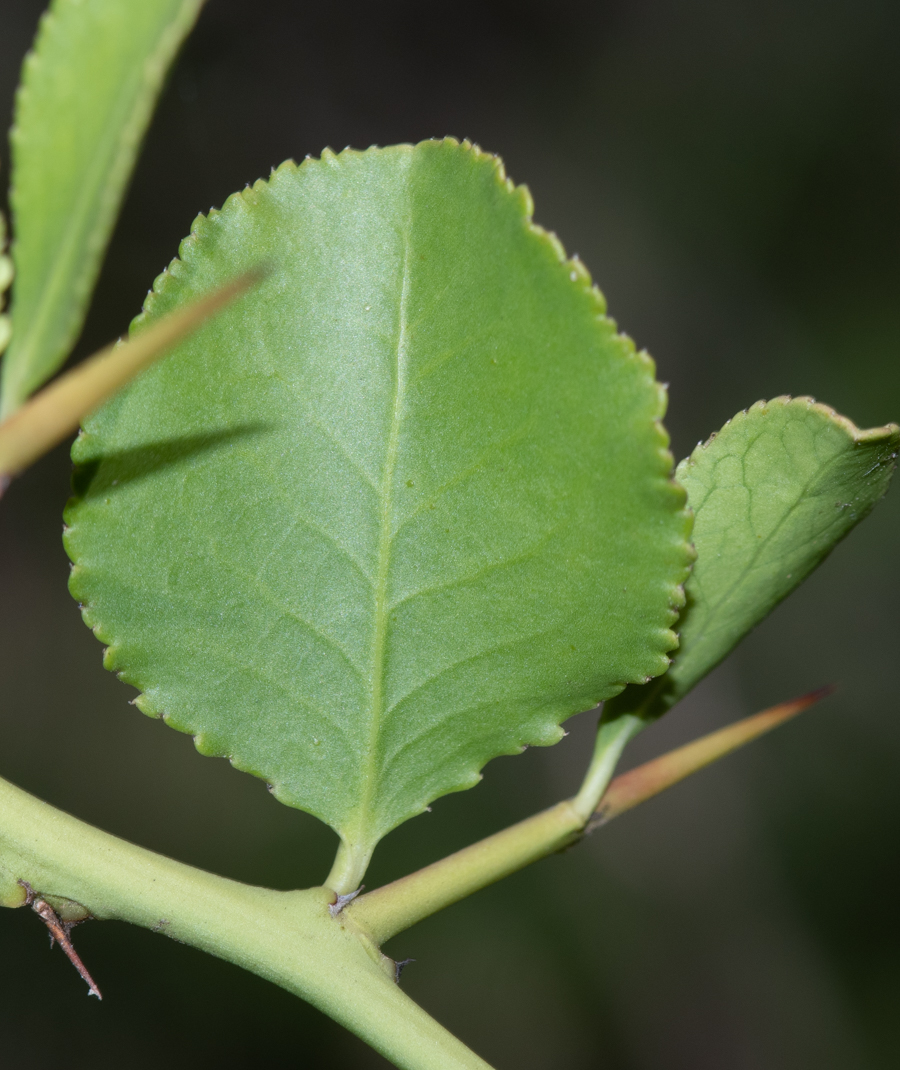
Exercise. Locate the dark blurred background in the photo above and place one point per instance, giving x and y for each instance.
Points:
(730, 172)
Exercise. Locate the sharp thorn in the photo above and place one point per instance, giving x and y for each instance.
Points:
(342, 900)
(59, 933)
(640, 784)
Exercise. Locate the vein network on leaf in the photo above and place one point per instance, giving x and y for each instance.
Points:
(456, 528)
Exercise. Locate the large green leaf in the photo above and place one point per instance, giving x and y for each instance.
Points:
(773, 492)
(402, 509)
(87, 93)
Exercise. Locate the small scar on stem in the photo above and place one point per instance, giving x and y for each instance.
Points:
(59, 934)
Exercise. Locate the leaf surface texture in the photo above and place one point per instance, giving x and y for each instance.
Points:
(404, 508)
(773, 492)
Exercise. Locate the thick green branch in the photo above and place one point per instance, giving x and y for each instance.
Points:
(292, 938)
(287, 937)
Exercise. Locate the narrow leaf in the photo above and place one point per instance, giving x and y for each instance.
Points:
(773, 492)
(56, 411)
(88, 90)
(416, 507)
(6, 276)
(640, 784)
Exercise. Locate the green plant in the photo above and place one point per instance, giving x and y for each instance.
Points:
(415, 474)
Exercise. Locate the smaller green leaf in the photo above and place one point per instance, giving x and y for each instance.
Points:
(773, 492)
(88, 90)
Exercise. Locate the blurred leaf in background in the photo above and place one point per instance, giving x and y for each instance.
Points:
(88, 90)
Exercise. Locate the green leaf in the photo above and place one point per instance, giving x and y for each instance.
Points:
(6, 275)
(404, 508)
(88, 90)
(773, 492)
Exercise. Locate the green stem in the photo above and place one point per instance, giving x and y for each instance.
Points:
(60, 856)
(290, 938)
(612, 737)
(349, 868)
(395, 907)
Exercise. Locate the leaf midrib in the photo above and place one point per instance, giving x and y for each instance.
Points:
(385, 540)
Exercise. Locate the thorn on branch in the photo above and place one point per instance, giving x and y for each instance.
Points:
(342, 900)
(59, 933)
(647, 780)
